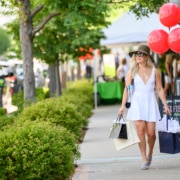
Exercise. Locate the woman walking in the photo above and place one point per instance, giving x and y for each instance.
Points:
(144, 110)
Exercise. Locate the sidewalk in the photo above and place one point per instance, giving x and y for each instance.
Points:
(100, 161)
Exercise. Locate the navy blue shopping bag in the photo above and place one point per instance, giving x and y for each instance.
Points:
(170, 142)
(166, 141)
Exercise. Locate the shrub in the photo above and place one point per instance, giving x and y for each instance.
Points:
(18, 98)
(2, 111)
(6, 121)
(37, 150)
(55, 111)
(80, 93)
(80, 89)
(82, 107)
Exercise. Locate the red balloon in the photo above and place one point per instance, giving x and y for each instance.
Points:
(174, 40)
(158, 41)
(169, 14)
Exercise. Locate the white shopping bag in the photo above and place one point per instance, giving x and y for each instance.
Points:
(168, 124)
(115, 130)
(132, 138)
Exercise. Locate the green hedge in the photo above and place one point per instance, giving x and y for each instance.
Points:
(57, 112)
(5, 122)
(83, 107)
(80, 93)
(18, 98)
(37, 150)
(40, 141)
(2, 111)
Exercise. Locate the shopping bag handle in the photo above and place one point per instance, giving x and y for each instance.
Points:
(119, 118)
(168, 117)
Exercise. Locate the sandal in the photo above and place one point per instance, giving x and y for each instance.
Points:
(145, 166)
(149, 159)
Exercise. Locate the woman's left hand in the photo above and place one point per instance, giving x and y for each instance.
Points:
(167, 110)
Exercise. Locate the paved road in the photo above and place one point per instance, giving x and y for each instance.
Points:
(100, 161)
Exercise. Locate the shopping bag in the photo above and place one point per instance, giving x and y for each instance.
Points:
(168, 124)
(169, 139)
(123, 132)
(177, 142)
(118, 129)
(166, 142)
(132, 138)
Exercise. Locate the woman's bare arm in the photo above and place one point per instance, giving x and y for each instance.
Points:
(125, 93)
(160, 91)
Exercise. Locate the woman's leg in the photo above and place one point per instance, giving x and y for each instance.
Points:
(167, 84)
(141, 130)
(151, 134)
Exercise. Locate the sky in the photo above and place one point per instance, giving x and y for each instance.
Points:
(5, 19)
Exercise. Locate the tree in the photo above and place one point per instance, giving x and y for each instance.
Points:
(59, 43)
(74, 12)
(4, 41)
(139, 7)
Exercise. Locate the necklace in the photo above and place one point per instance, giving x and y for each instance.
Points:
(144, 75)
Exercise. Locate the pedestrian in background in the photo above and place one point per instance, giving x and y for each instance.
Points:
(88, 69)
(122, 70)
(144, 109)
(168, 74)
(117, 60)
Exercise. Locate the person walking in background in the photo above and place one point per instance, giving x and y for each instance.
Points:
(171, 73)
(168, 74)
(122, 70)
(88, 69)
(178, 66)
(117, 61)
(144, 109)
(175, 66)
(175, 74)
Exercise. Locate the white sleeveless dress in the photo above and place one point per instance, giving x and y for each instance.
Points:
(144, 104)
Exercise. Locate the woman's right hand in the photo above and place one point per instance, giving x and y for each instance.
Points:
(121, 110)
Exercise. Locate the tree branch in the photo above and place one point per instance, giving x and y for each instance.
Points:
(44, 22)
(36, 10)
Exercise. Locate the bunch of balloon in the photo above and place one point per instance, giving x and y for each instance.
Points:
(159, 40)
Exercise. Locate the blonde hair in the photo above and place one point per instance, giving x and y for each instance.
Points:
(134, 66)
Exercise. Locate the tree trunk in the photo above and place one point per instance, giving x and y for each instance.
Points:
(55, 83)
(52, 78)
(26, 38)
(79, 71)
(63, 76)
(58, 80)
